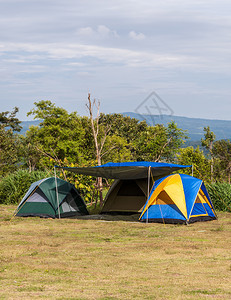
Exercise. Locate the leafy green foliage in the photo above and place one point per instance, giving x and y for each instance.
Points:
(67, 137)
(122, 137)
(123, 126)
(143, 142)
(208, 140)
(8, 119)
(9, 142)
(59, 137)
(31, 153)
(151, 143)
(195, 157)
(158, 143)
(222, 152)
(84, 184)
(220, 194)
(14, 186)
(9, 151)
(116, 150)
(207, 143)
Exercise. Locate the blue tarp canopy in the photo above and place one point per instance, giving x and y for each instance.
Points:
(127, 170)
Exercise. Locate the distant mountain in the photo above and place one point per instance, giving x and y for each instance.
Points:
(194, 126)
(26, 124)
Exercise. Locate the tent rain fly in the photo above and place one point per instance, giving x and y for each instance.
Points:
(127, 170)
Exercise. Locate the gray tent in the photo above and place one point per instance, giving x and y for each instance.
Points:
(126, 196)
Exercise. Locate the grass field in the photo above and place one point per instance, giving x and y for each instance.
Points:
(93, 259)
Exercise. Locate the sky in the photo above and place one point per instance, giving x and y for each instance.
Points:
(168, 56)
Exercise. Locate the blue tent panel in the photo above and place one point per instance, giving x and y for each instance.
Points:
(170, 211)
(191, 187)
(203, 188)
(200, 209)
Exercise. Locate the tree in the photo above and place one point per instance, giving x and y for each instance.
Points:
(120, 151)
(62, 139)
(144, 142)
(124, 131)
(159, 142)
(195, 157)
(58, 138)
(100, 134)
(9, 142)
(176, 138)
(8, 119)
(151, 143)
(123, 126)
(207, 142)
(222, 152)
(32, 154)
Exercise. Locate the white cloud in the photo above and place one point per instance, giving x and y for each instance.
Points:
(111, 55)
(136, 36)
(85, 31)
(101, 32)
(104, 31)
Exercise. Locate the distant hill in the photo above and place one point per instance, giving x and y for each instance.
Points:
(194, 126)
(26, 124)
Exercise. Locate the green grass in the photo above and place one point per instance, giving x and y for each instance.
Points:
(94, 259)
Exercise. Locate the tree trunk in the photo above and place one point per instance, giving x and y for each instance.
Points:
(229, 173)
(212, 160)
(211, 169)
(98, 145)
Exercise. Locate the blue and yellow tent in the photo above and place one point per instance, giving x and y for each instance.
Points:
(178, 198)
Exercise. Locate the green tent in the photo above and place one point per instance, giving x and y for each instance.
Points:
(52, 198)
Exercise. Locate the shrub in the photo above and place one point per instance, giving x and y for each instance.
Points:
(220, 194)
(14, 186)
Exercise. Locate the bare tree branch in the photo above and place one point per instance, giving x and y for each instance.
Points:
(104, 137)
(113, 147)
(98, 144)
(164, 146)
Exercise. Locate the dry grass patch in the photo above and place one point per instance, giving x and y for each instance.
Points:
(90, 259)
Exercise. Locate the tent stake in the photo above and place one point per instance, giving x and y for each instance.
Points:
(57, 196)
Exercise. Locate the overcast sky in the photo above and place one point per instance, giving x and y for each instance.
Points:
(120, 51)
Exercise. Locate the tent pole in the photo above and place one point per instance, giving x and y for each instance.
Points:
(57, 196)
(149, 169)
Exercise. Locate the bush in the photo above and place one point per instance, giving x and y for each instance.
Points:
(14, 186)
(220, 194)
